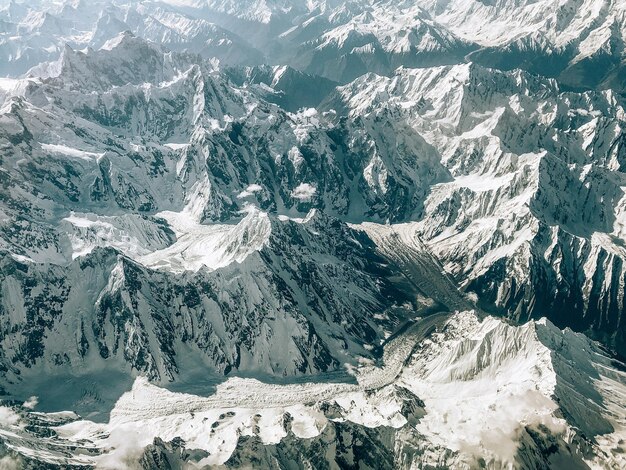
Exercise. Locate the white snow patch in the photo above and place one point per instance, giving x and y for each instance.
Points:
(71, 152)
(249, 191)
(480, 381)
(113, 42)
(131, 234)
(176, 147)
(482, 183)
(31, 403)
(209, 246)
(304, 192)
(8, 417)
(295, 156)
(8, 84)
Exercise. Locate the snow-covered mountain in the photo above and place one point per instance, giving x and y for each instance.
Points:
(312, 234)
(139, 206)
(478, 392)
(579, 42)
(531, 218)
(32, 34)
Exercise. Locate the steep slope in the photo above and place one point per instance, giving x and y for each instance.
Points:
(285, 86)
(532, 219)
(168, 147)
(40, 30)
(188, 33)
(537, 375)
(298, 161)
(579, 42)
(214, 262)
(298, 314)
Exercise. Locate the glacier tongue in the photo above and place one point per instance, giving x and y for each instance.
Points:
(521, 387)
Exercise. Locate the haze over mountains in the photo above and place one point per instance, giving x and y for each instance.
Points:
(313, 234)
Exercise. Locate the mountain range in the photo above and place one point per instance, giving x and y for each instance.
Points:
(313, 234)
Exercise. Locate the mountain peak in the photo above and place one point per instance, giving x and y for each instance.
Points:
(124, 40)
